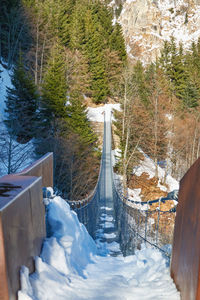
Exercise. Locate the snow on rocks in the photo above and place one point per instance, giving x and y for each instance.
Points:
(116, 154)
(69, 267)
(148, 166)
(147, 24)
(134, 194)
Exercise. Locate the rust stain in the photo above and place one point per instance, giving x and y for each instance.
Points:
(185, 263)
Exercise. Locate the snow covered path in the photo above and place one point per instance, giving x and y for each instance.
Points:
(71, 268)
(107, 235)
(143, 276)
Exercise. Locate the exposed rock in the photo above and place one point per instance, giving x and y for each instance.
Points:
(146, 24)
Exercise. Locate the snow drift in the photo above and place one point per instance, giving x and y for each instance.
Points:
(69, 267)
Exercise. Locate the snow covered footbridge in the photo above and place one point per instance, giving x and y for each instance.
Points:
(69, 265)
(100, 212)
(119, 224)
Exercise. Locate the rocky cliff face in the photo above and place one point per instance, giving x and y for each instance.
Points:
(147, 23)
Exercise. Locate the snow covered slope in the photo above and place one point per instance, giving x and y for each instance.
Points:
(148, 166)
(146, 24)
(69, 267)
(13, 154)
(5, 81)
(96, 114)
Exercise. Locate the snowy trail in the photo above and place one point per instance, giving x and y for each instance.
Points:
(125, 278)
(107, 236)
(70, 269)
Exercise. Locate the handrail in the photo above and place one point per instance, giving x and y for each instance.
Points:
(84, 202)
(88, 208)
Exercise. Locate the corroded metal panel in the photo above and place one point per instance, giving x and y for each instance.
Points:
(42, 167)
(185, 262)
(22, 216)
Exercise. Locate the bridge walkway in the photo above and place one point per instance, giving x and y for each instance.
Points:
(107, 235)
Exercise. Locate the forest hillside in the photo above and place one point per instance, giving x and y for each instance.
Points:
(63, 56)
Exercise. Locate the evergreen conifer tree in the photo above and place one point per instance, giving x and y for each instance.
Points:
(117, 42)
(138, 78)
(22, 104)
(65, 21)
(54, 88)
(94, 52)
(78, 120)
(102, 15)
(177, 67)
(77, 27)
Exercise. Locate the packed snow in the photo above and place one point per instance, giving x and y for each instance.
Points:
(130, 1)
(96, 114)
(70, 266)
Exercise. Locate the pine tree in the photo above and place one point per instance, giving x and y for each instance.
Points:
(138, 78)
(94, 52)
(177, 67)
(78, 76)
(165, 58)
(22, 105)
(65, 21)
(190, 96)
(192, 61)
(54, 88)
(14, 33)
(77, 27)
(117, 42)
(103, 16)
(78, 120)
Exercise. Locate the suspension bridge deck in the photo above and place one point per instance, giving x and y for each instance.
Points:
(121, 225)
(107, 234)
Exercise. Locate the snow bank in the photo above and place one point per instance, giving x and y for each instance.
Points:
(69, 268)
(67, 233)
(96, 114)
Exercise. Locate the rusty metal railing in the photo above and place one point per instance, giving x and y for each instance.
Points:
(185, 262)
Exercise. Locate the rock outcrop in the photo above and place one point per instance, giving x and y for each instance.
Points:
(147, 24)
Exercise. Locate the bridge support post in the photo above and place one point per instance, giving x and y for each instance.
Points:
(185, 262)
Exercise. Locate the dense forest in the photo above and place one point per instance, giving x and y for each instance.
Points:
(60, 52)
(66, 51)
(161, 114)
